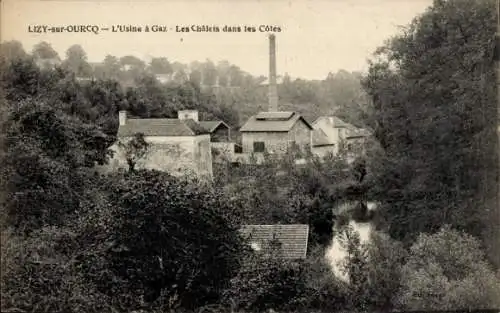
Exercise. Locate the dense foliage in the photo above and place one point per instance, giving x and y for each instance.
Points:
(171, 243)
(77, 240)
(435, 107)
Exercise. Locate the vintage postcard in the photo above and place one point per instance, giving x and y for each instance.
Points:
(250, 156)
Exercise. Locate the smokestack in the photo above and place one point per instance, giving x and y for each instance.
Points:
(273, 88)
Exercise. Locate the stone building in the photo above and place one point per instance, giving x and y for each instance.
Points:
(334, 128)
(343, 135)
(223, 148)
(275, 132)
(179, 146)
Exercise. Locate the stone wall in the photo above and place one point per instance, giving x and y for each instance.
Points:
(203, 155)
(178, 155)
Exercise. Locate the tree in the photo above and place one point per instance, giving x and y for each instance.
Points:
(132, 67)
(132, 61)
(195, 76)
(160, 66)
(48, 149)
(235, 76)
(106, 98)
(448, 271)
(135, 149)
(46, 154)
(180, 76)
(354, 266)
(324, 291)
(433, 93)
(111, 67)
(209, 72)
(171, 242)
(43, 51)
(267, 283)
(383, 272)
(42, 273)
(76, 61)
(12, 50)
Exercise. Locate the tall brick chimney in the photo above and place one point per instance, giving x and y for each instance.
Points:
(273, 88)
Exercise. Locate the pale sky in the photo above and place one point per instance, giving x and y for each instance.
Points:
(316, 36)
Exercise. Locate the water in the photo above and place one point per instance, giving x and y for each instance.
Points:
(335, 253)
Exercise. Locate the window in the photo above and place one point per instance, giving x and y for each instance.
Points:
(258, 146)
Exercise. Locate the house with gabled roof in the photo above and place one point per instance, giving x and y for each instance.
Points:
(333, 127)
(219, 131)
(223, 148)
(275, 132)
(179, 146)
(340, 133)
(286, 241)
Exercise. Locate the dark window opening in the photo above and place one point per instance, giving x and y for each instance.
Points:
(259, 146)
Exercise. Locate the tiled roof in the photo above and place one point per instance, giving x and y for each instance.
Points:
(293, 238)
(160, 127)
(320, 138)
(210, 126)
(272, 121)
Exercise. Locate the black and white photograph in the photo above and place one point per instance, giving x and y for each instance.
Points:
(282, 156)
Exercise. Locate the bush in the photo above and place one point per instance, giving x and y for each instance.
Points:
(448, 271)
(373, 269)
(325, 291)
(41, 273)
(171, 243)
(267, 283)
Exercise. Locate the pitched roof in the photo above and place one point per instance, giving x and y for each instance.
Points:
(273, 121)
(334, 121)
(293, 238)
(210, 126)
(160, 127)
(321, 139)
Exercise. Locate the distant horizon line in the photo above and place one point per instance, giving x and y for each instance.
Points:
(147, 58)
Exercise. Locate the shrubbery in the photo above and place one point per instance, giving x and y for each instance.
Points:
(73, 240)
(446, 271)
